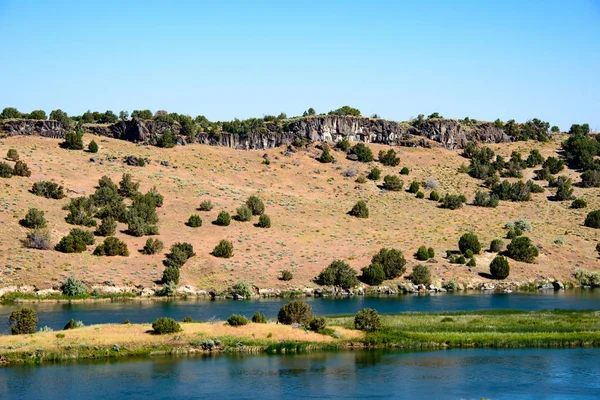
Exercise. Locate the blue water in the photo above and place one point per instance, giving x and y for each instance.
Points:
(450, 374)
(55, 315)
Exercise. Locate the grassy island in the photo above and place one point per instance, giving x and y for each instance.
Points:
(494, 329)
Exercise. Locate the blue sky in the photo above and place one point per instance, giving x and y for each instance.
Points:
(225, 59)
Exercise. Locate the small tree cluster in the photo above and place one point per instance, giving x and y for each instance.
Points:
(153, 246)
(367, 320)
(23, 321)
(49, 190)
(338, 273)
(453, 202)
(112, 247)
(363, 152)
(389, 158)
(483, 199)
(295, 312)
(393, 183)
(164, 325)
(360, 210)
(223, 250)
(420, 275)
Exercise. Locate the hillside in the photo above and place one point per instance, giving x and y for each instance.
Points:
(307, 201)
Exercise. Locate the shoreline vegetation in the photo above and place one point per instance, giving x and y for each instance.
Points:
(32, 297)
(409, 331)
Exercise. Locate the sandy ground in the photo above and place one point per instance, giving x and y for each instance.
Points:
(307, 202)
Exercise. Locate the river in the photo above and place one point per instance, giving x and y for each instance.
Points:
(55, 315)
(445, 374)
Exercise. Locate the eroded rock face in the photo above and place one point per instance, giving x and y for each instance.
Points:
(435, 132)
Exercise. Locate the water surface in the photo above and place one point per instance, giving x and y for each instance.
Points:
(55, 315)
(450, 374)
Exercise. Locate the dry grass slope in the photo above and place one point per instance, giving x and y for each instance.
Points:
(307, 202)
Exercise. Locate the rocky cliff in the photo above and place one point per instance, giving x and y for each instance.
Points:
(444, 132)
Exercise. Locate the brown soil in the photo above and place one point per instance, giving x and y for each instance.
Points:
(307, 202)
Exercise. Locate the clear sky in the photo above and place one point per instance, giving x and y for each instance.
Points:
(224, 59)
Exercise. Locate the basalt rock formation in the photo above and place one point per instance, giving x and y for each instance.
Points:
(447, 133)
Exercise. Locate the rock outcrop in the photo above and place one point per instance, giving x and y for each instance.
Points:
(432, 132)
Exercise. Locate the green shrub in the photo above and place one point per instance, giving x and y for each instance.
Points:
(458, 260)
(434, 196)
(171, 274)
(34, 219)
(156, 196)
(472, 263)
(554, 165)
(256, 205)
(141, 216)
(237, 320)
(259, 318)
(73, 287)
(264, 221)
(127, 187)
(86, 236)
(141, 162)
(499, 267)
(286, 275)
(523, 225)
(81, 211)
(295, 312)
(393, 183)
(152, 246)
(534, 159)
(343, 144)
(21, 169)
(107, 227)
(106, 182)
(392, 261)
(452, 202)
(360, 210)
(367, 320)
(72, 324)
(420, 195)
(338, 273)
(579, 203)
(598, 248)
(70, 244)
(414, 187)
(317, 324)
(361, 179)
(483, 199)
(496, 245)
(73, 140)
(223, 250)
(513, 233)
(93, 147)
(375, 174)
(521, 249)
(206, 205)
(420, 275)
(166, 140)
(243, 289)
(389, 158)
(223, 219)
(169, 289)
(112, 247)
(325, 156)
(12, 155)
(564, 190)
(587, 278)
(590, 178)
(592, 220)
(23, 321)
(6, 170)
(422, 254)
(469, 253)
(469, 241)
(404, 171)
(47, 189)
(244, 213)
(38, 239)
(363, 152)
(164, 325)
(373, 274)
(179, 254)
(431, 252)
(194, 221)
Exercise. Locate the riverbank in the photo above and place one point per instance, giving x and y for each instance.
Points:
(493, 329)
